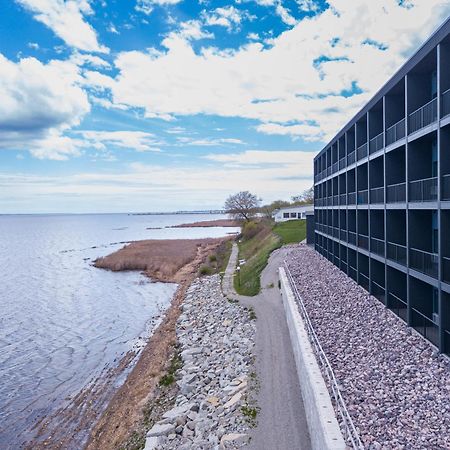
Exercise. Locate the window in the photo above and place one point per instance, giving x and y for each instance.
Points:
(293, 215)
(285, 215)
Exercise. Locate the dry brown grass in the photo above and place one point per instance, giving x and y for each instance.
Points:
(160, 259)
(210, 223)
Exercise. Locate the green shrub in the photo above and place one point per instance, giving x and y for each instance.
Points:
(205, 270)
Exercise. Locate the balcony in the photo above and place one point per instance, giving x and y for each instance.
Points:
(335, 167)
(395, 132)
(343, 235)
(363, 241)
(446, 187)
(364, 281)
(425, 262)
(425, 326)
(378, 291)
(362, 151)
(351, 198)
(396, 253)
(342, 163)
(396, 193)
(377, 195)
(363, 197)
(336, 200)
(351, 157)
(446, 269)
(352, 238)
(343, 199)
(423, 190)
(377, 246)
(445, 105)
(336, 232)
(423, 116)
(376, 143)
(398, 306)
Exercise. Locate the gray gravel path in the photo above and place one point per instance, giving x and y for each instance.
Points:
(282, 422)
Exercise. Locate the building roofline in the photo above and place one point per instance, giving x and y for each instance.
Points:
(436, 37)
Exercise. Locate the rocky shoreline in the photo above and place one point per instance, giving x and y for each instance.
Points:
(214, 407)
(395, 385)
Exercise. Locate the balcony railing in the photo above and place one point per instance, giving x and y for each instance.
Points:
(343, 235)
(363, 197)
(363, 241)
(425, 326)
(352, 272)
(425, 262)
(446, 187)
(377, 246)
(378, 291)
(351, 157)
(335, 200)
(396, 252)
(362, 151)
(425, 115)
(377, 195)
(396, 193)
(336, 232)
(445, 103)
(446, 269)
(376, 143)
(352, 238)
(364, 281)
(328, 171)
(343, 199)
(335, 167)
(397, 305)
(395, 132)
(342, 163)
(351, 198)
(423, 190)
(330, 201)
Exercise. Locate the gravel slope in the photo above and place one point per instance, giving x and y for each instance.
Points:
(395, 385)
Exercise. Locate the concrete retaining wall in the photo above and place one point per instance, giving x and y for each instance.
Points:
(322, 423)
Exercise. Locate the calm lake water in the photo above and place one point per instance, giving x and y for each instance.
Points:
(62, 321)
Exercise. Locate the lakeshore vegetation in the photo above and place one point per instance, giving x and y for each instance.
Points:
(258, 240)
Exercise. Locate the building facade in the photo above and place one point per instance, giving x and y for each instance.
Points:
(382, 193)
(292, 213)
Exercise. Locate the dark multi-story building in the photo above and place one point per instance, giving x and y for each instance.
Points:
(382, 193)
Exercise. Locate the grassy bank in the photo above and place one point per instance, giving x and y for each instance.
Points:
(258, 241)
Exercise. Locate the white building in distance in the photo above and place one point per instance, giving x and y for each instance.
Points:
(292, 213)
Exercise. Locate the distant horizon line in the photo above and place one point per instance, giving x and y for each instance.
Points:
(148, 213)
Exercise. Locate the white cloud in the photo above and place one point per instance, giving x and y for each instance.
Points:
(308, 5)
(147, 6)
(66, 20)
(285, 14)
(228, 17)
(308, 132)
(142, 187)
(281, 84)
(40, 101)
(136, 140)
(191, 30)
(33, 45)
(209, 142)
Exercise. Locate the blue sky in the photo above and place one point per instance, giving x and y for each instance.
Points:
(160, 105)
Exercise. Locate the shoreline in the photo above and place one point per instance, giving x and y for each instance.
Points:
(123, 416)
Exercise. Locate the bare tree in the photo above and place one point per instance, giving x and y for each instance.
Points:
(305, 198)
(242, 206)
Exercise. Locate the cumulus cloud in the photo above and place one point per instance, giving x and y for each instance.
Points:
(319, 72)
(40, 101)
(67, 20)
